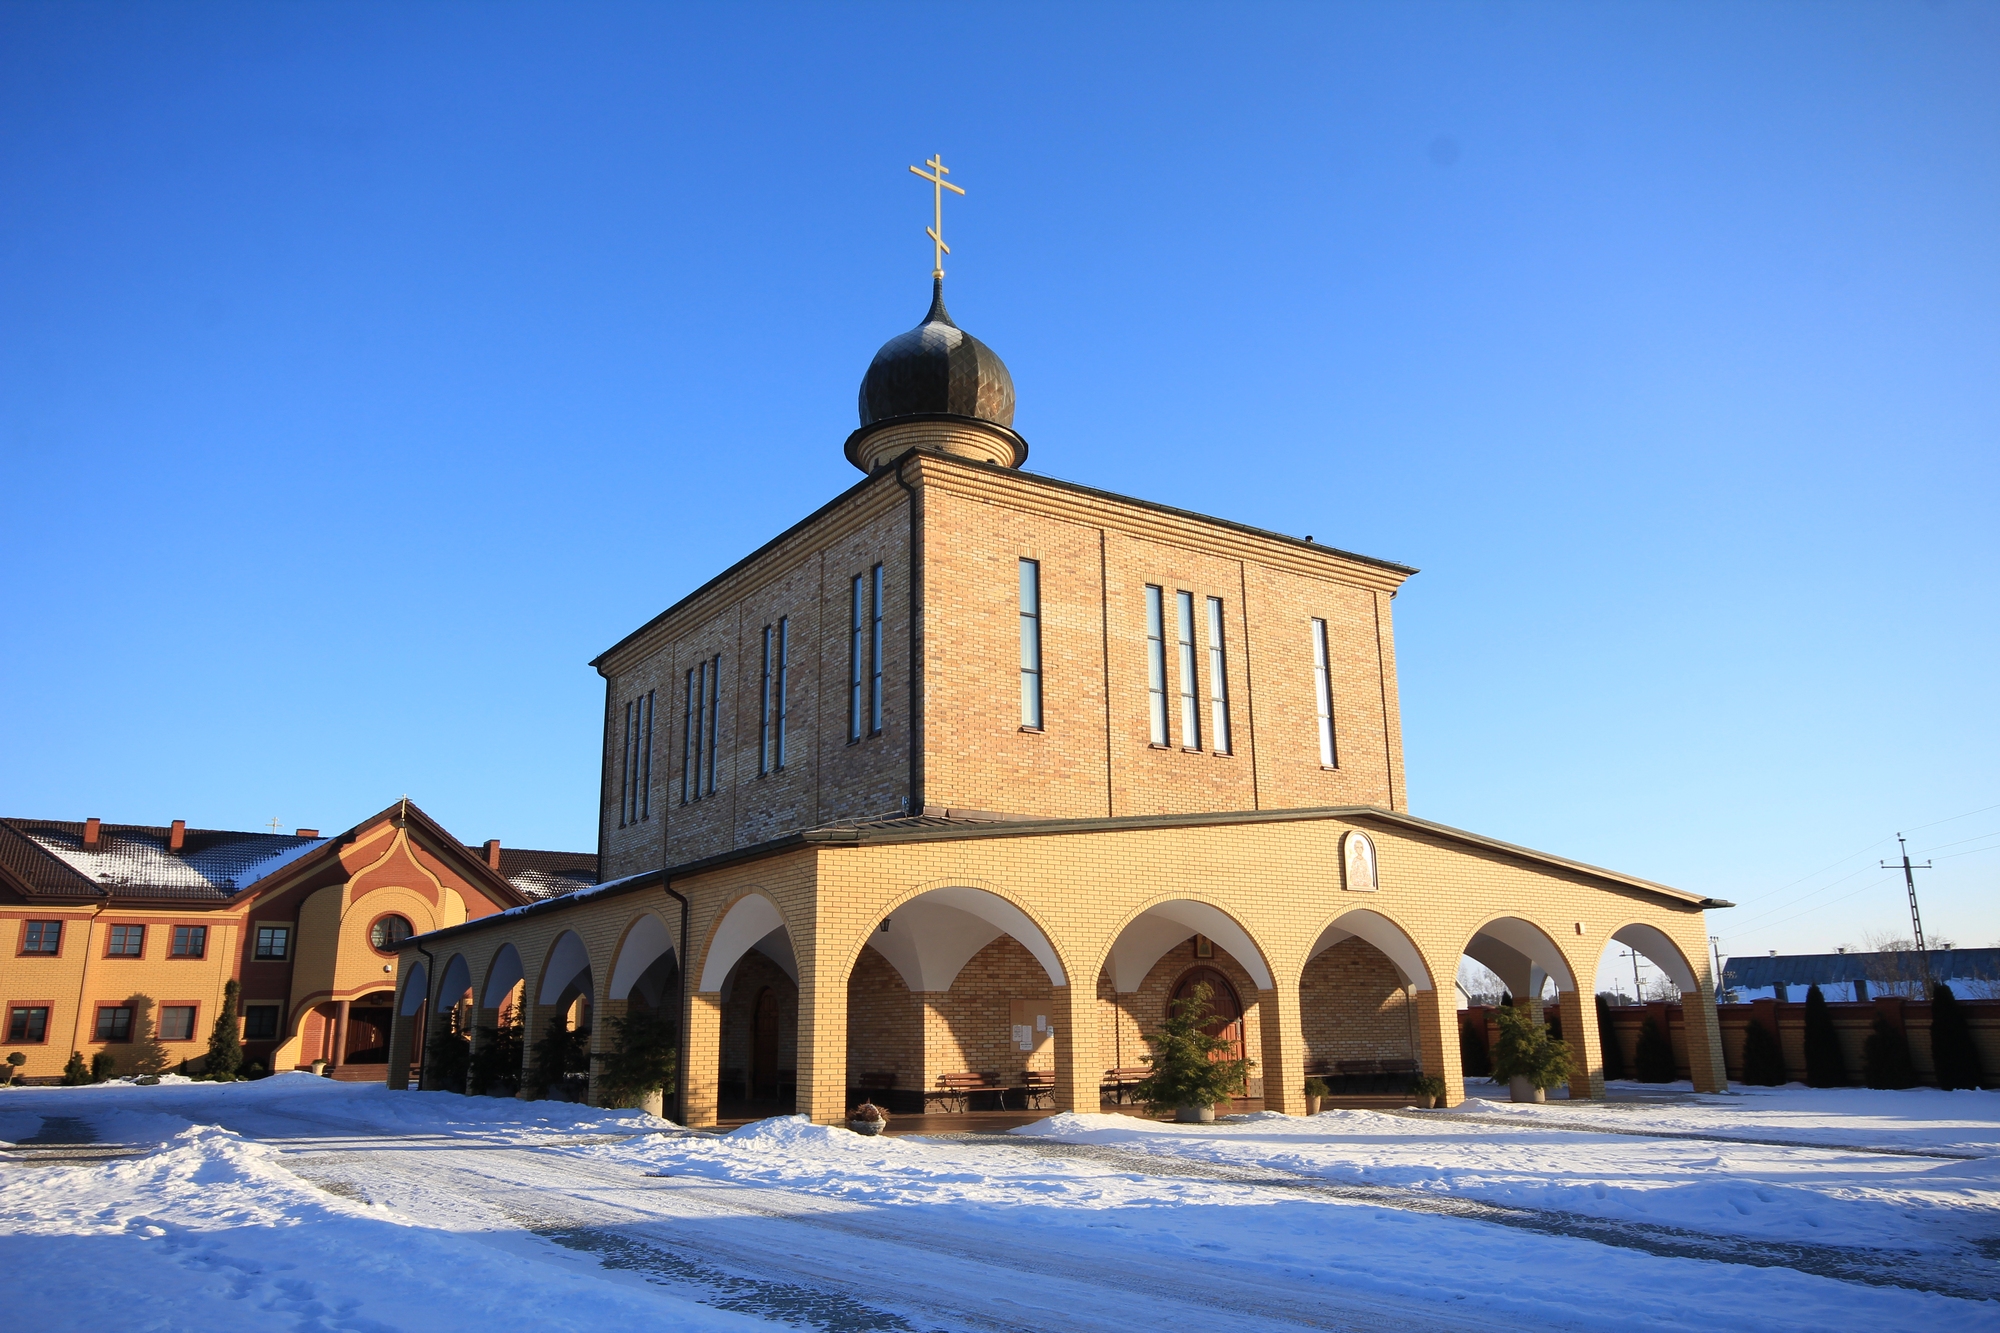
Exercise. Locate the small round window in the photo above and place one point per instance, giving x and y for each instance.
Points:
(389, 932)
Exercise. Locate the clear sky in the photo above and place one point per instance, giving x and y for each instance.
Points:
(367, 369)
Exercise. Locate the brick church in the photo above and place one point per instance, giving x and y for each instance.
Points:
(964, 776)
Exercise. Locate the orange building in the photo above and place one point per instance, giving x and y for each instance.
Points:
(121, 938)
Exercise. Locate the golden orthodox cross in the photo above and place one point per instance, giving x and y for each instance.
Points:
(936, 176)
(274, 823)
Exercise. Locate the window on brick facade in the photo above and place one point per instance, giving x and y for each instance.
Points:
(1329, 754)
(28, 1022)
(260, 1022)
(699, 719)
(127, 942)
(274, 943)
(1190, 683)
(190, 942)
(875, 652)
(177, 1022)
(714, 716)
(1031, 644)
(114, 1022)
(771, 699)
(41, 937)
(1218, 680)
(864, 655)
(1156, 663)
(635, 780)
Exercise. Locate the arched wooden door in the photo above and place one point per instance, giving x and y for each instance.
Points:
(764, 1045)
(1225, 1008)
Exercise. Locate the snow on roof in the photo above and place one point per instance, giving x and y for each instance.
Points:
(137, 860)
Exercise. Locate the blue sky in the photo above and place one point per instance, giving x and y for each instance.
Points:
(365, 370)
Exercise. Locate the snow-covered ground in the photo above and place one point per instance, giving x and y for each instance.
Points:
(301, 1203)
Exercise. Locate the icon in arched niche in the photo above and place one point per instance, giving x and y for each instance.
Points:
(1357, 863)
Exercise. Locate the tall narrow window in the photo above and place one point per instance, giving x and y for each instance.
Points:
(855, 662)
(625, 772)
(1031, 644)
(688, 751)
(1218, 680)
(764, 709)
(1190, 687)
(646, 762)
(1156, 663)
(714, 715)
(875, 652)
(636, 773)
(778, 692)
(1329, 757)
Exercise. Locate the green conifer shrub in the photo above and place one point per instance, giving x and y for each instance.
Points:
(15, 1059)
(225, 1045)
(1473, 1056)
(1763, 1057)
(1607, 1037)
(496, 1065)
(642, 1060)
(1188, 1065)
(1825, 1066)
(103, 1065)
(76, 1073)
(1886, 1057)
(1655, 1056)
(561, 1052)
(1526, 1050)
(449, 1058)
(1952, 1050)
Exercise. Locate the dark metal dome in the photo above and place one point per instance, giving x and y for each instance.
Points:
(937, 369)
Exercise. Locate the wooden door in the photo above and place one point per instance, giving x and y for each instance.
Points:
(368, 1035)
(1225, 1009)
(764, 1045)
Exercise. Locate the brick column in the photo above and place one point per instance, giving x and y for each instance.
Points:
(1079, 1068)
(1703, 1030)
(340, 1036)
(1284, 1062)
(530, 1014)
(1437, 1034)
(704, 1056)
(1585, 1044)
(822, 1087)
(402, 1029)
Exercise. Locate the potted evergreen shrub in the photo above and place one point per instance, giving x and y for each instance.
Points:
(1527, 1056)
(1315, 1090)
(1191, 1070)
(868, 1118)
(1429, 1091)
(641, 1063)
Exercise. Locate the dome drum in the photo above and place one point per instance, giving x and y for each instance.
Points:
(963, 437)
(936, 385)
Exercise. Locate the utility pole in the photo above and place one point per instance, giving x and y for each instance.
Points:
(1715, 950)
(1638, 995)
(1916, 919)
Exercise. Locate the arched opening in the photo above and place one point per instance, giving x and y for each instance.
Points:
(1357, 1008)
(560, 1049)
(950, 1006)
(445, 1045)
(751, 968)
(1641, 978)
(1509, 961)
(1153, 956)
(1225, 1006)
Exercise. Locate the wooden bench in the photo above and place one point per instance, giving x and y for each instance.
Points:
(1037, 1087)
(1118, 1081)
(962, 1088)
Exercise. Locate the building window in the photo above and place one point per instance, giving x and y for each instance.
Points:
(771, 698)
(389, 932)
(260, 1022)
(41, 937)
(114, 1022)
(875, 653)
(1190, 686)
(274, 943)
(177, 1022)
(1031, 644)
(714, 715)
(1156, 663)
(700, 711)
(864, 655)
(28, 1022)
(1329, 757)
(1218, 680)
(190, 941)
(126, 942)
(636, 769)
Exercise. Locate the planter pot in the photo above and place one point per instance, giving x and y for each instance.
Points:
(1312, 1104)
(1195, 1115)
(1522, 1089)
(868, 1127)
(319, 1068)
(654, 1103)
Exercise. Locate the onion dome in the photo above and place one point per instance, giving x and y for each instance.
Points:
(936, 385)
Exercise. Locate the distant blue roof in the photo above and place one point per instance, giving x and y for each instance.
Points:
(1819, 969)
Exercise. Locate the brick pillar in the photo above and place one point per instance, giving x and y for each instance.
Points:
(603, 1039)
(1284, 1062)
(340, 1036)
(1702, 1028)
(402, 1029)
(1079, 1069)
(1437, 1033)
(822, 1074)
(530, 1014)
(704, 1056)
(1585, 1043)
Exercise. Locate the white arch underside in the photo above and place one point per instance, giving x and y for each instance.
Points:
(505, 974)
(1377, 930)
(931, 938)
(568, 962)
(1518, 938)
(457, 981)
(1162, 926)
(1661, 951)
(645, 944)
(748, 925)
(416, 989)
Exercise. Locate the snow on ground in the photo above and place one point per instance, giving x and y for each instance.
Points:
(302, 1203)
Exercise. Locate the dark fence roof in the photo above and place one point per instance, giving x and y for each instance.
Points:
(1819, 969)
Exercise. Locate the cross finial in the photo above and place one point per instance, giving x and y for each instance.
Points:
(936, 176)
(274, 823)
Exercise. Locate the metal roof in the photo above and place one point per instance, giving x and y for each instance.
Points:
(1820, 969)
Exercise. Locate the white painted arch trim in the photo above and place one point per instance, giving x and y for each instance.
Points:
(645, 943)
(457, 981)
(567, 961)
(742, 927)
(1533, 943)
(1148, 936)
(1377, 930)
(931, 938)
(505, 974)
(1661, 951)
